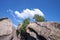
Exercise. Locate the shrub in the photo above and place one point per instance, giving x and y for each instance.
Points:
(24, 25)
(39, 18)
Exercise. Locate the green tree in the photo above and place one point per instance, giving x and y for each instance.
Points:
(23, 33)
(24, 25)
(22, 30)
(39, 18)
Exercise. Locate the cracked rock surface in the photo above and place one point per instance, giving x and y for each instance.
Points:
(49, 30)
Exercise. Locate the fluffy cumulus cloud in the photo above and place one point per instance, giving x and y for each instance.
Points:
(27, 13)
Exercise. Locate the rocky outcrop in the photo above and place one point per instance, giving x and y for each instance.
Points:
(41, 31)
(34, 31)
(44, 30)
(7, 30)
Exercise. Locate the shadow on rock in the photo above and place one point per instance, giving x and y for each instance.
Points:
(27, 36)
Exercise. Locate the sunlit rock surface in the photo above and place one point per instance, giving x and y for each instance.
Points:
(34, 31)
(7, 30)
(47, 30)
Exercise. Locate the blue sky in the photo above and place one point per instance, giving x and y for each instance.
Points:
(50, 8)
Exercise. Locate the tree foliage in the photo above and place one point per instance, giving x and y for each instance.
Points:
(24, 25)
(39, 18)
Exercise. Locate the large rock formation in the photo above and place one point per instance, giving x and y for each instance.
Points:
(44, 30)
(7, 30)
(34, 31)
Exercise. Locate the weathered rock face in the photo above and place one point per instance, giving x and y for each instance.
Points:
(7, 30)
(19, 26)
(44, 30)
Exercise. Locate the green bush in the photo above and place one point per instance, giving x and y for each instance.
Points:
(39, 18)
(24, 25)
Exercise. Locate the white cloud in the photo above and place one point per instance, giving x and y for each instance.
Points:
(27, 13)
(12, 13)
(9, 10)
